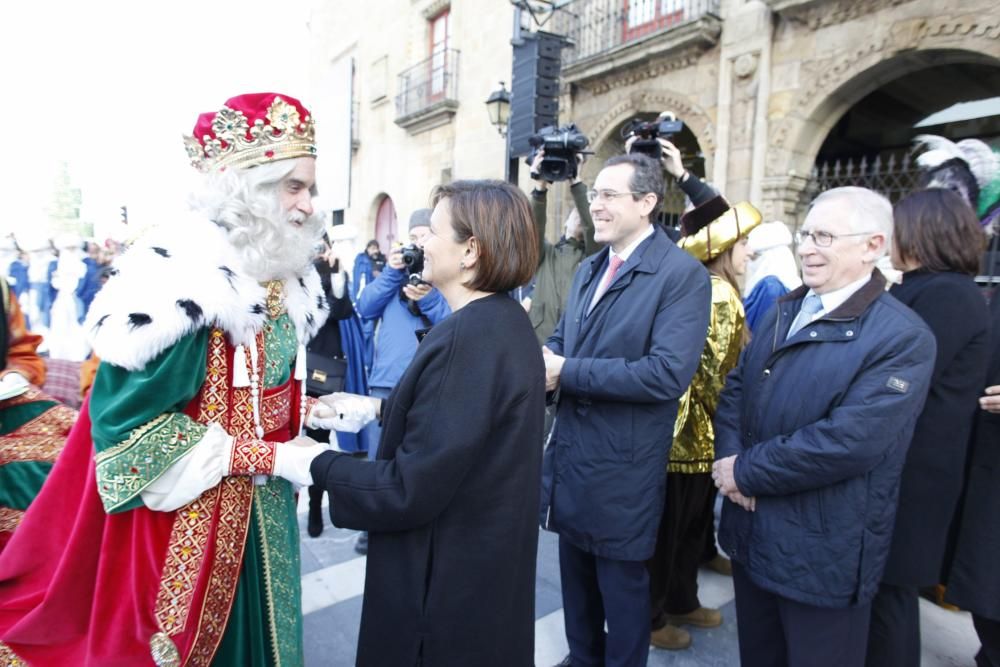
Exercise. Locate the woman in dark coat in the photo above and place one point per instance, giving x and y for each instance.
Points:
(938, 244)
(450, 503)
(974, 580)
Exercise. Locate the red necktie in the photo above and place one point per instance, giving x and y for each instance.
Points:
(614, 264)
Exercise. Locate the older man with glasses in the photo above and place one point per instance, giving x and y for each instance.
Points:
(810, 438)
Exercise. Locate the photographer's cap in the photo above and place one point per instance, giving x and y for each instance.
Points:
(420, 218)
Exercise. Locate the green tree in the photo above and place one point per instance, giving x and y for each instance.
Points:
(64, 208)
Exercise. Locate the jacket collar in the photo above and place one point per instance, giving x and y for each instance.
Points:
(855, 305)
(644, 259)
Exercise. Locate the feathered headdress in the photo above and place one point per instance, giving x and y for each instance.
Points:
(981, 160)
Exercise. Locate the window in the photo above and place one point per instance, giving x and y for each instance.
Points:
(643, 17)
(440, 38)
(379, 80)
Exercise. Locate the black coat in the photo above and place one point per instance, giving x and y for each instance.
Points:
(627, 364)
(450, 503)
(974, 582)
(954, 308)
(820, 423)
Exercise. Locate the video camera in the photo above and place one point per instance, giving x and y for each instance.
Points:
(561, 146)
(666, 126)
(413, 259)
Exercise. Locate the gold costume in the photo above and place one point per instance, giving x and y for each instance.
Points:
(694, 437)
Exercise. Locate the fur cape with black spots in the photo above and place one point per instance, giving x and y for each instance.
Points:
(180, 277)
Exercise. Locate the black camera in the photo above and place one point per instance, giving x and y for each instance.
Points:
(647, 133)
(561, 146)
(413, 259)
(378, 263)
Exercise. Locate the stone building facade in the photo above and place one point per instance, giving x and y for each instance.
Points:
(760, 84)
(406, 81)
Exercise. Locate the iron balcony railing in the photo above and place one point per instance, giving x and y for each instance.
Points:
(428, 83)
(598, 26)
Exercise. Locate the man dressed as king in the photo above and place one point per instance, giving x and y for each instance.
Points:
(166, 532)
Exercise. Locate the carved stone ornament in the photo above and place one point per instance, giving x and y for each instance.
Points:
(745, 65)
(645, 72)
(435, 8)
(820, 15)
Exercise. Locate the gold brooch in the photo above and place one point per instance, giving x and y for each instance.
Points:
(275, 302)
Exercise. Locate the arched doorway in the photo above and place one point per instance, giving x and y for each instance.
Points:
(385, 223)
(691, 154)
(797, 135)
(871, 143)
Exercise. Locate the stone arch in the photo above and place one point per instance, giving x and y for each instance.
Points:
(651, 102)
(836, 84)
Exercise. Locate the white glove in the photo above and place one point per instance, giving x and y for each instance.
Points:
(338, 283)
(13, 384)
(343, 412)
(293, 458)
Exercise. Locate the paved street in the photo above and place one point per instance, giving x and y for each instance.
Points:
(333, 583)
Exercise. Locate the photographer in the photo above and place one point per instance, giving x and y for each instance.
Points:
(697, 190)
(399, 310)
(557, 263)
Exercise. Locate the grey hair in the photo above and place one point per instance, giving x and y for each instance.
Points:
(245, 202)
(866, 210)
(647, 176)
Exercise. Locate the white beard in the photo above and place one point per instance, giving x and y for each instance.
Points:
(277, 250)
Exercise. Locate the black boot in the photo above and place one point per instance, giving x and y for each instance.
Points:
(315, 524)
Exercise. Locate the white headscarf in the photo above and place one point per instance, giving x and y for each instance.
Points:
(770, 243)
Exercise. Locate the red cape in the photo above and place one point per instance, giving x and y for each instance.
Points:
(80, 587)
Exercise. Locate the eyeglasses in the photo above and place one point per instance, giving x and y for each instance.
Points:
(823, 239)
(607, 195)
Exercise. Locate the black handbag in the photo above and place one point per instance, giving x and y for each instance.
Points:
(324, 375)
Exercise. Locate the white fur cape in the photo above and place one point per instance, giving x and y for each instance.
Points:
(183, 276)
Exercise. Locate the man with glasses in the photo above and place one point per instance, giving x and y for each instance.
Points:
(811, 434)
(621, 356)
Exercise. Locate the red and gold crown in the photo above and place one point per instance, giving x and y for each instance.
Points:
(251, 130)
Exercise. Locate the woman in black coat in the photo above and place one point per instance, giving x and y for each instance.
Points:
(451, 501)
(938, 244)
(974, 580)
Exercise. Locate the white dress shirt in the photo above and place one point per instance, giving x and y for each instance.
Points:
(623, 255)
(833, 300)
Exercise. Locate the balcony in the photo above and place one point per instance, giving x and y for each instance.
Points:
(608, 35)
(428, 93)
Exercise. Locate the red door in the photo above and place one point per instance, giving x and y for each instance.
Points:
(385, 225)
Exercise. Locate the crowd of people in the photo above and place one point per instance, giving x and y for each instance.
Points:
(454, 395)
(55, 280)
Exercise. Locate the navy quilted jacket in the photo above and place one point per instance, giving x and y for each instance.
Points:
(821, 423)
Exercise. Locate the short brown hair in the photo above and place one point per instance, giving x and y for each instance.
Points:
(498, 215)
(937, 229)
(647, 176)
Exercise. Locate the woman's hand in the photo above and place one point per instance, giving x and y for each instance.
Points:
(292, 459)
(991, 401)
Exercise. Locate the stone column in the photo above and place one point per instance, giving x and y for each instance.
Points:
(744, 89)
